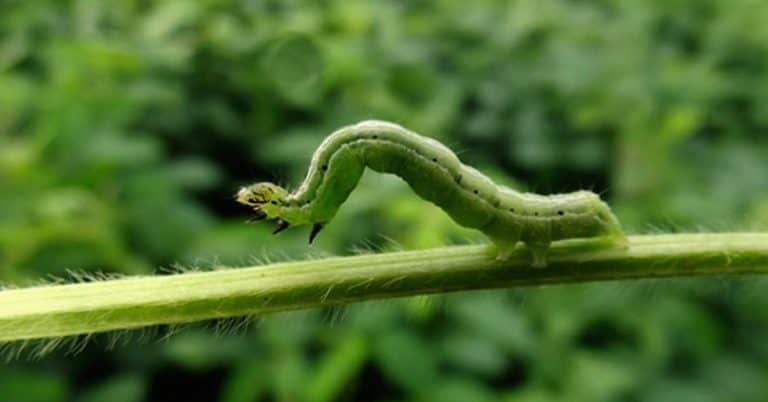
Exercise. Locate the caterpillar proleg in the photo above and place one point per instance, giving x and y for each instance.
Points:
(437, 175)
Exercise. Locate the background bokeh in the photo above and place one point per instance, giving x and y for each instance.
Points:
(126, 127)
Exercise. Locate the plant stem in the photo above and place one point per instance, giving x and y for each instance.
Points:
(132, 302)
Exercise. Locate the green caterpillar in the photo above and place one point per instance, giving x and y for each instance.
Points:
(436, 174)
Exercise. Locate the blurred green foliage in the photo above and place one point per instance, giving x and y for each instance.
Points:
(126, 126)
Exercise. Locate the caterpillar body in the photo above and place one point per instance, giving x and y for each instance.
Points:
(436, 174)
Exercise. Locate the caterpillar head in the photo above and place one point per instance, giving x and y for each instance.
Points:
(265, 198)
(268, 201)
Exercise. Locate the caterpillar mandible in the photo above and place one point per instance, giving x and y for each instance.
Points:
(436, 174)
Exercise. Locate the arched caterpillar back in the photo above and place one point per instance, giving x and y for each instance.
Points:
(436, 174)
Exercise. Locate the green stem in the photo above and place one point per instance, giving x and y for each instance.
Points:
(84, 308)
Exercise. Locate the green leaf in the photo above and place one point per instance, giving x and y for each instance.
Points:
(19, 385)
(336, 369)
(406, 360)
(125, 388)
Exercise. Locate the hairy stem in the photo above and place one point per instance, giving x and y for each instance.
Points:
(84, 308)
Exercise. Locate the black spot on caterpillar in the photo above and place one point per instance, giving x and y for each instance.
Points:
(436, 174)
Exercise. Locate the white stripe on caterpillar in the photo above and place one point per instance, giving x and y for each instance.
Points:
(436, 174)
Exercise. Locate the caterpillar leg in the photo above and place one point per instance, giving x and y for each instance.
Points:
(505, 248)
(539, 253)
